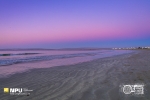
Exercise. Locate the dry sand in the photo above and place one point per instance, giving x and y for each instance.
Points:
(95, 80)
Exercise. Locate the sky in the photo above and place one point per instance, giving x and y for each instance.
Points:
(74, 23)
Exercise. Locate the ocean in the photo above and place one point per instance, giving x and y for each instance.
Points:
(18, 61)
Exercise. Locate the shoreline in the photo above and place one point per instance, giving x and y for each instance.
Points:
(20, 67)
(75, 64)
(92, 80)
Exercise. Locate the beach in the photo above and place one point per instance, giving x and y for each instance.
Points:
(98, 79)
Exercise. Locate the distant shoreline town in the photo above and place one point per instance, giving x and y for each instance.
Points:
(131, 48)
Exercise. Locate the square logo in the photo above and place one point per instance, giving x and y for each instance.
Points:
(6, 90)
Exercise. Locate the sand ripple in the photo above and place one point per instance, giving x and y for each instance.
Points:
(95, 80)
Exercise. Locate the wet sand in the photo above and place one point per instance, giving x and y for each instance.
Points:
(94, 80)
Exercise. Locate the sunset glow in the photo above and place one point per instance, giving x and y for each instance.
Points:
(74, 23)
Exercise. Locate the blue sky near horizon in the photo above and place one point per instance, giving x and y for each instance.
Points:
(74, 23)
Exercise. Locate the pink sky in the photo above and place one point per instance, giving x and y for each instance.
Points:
(49, 21)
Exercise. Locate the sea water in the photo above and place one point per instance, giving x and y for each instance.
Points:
(18, 61)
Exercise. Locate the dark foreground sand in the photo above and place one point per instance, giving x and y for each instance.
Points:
(95, 80)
